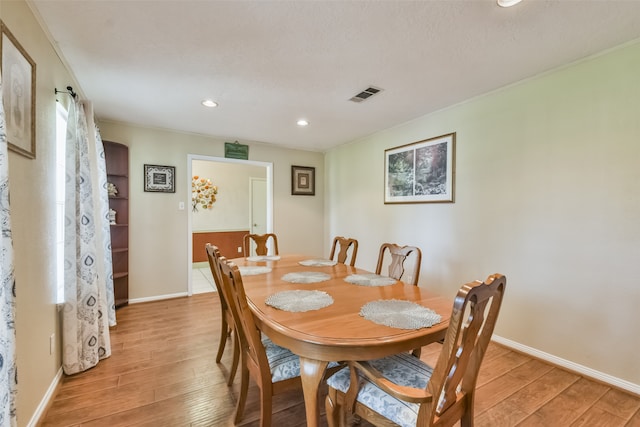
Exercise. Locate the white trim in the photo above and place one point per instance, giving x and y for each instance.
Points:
(572, 366)
(51, 391)
(158, 297)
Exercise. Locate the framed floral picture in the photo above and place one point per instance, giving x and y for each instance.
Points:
(19, 94)
(420, 172)
(159, 179)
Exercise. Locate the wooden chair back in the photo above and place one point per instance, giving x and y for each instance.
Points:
(449, 393)
(255, 362)
(344, 244)
(248, 333)
(261, 241)
(400, 257)
(473, 319)
(227, 328)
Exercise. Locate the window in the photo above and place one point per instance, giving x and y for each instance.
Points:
(61, 137)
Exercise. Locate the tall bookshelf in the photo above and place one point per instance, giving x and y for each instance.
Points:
(117, 160)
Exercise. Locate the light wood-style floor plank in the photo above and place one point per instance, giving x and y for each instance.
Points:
(162, 372)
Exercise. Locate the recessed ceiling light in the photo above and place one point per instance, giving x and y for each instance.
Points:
(508, 3)
(209, 103)
(303, 122)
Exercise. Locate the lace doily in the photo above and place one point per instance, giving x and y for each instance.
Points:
(370, 280)
(298, 301)
(317, 262)
(263, 258)
(306, 277)
(400, 314)
(252, 270)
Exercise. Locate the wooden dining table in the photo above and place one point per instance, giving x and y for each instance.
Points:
(337, 332)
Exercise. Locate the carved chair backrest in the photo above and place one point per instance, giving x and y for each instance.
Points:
(474, 315)
(261, 241)
(248, 333)
(344, 244)
(399, 256)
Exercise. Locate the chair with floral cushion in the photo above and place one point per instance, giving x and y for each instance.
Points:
(402, 390)
(274, 369)
(399, 255)
(261, 241)
(227, 328)
(344, 244)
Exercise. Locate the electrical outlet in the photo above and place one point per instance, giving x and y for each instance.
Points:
(52, 343)
(239, 249)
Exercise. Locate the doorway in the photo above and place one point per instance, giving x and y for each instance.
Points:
(244, 203)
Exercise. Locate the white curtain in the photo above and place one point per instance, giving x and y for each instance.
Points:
(89, 307)
(8, 372)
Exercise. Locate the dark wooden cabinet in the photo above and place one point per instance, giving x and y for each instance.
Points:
(117, 160)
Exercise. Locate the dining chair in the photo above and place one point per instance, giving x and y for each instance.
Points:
(227, 328)
(275, 369)
(260, 241)
(344, 244)
(396, 264)
(403, 390)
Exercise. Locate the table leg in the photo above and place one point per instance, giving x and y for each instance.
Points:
(311, 373)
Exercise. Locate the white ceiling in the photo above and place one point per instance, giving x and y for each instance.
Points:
(268, 63)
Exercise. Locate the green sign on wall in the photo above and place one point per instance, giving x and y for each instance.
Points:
(234, 150)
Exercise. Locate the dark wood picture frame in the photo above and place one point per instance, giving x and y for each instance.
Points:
(421, 172)
(303, 181)
(19, 94)
(159, 179)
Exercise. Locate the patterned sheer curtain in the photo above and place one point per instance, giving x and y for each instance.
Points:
(89, 307)
(8, 372)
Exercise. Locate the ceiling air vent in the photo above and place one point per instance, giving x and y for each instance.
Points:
(365, 94)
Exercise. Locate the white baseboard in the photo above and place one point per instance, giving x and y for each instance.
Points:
(45, 400)
(571, 366)
(158, 297)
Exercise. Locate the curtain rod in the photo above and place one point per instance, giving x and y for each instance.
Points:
(68, 91)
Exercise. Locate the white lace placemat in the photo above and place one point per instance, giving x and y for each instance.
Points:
(317, 262)
(370, 280)
(306, 277)
(298, 301)
(252, 270)
(400, 314)
(263, 258)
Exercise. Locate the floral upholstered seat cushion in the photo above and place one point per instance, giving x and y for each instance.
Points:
(402, 369)
(283, 363)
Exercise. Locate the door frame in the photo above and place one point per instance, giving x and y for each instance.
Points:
(190, 158)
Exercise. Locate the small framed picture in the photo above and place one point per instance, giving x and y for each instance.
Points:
(159, 179)
(420, 172)
(19, 97)
(303, 181)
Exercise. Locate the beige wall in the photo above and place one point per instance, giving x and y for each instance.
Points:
(159, 244)
(546, 193)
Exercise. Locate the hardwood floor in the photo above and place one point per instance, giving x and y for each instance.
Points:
(162, 372)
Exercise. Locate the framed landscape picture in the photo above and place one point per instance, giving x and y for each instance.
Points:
(420, 172)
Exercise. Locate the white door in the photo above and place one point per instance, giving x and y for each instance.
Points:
(258, 207)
